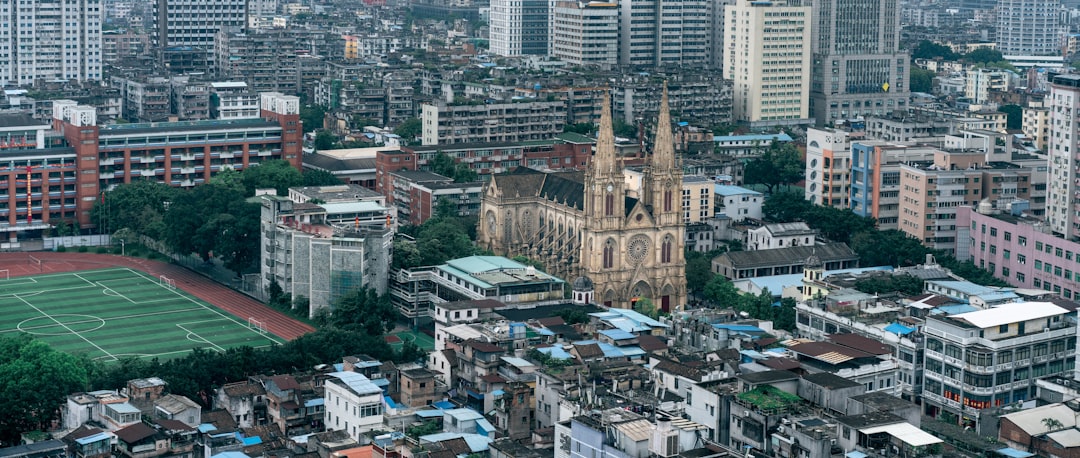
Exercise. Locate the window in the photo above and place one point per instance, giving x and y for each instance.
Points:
(1005, 254)
(1038, 246)
(609, 205)
(1008, 236)
(665, 251)
(1021, 240)
(667, 200)
(993, 232)
(609, 254)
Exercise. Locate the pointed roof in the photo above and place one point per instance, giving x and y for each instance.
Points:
(604, 161)
(663, 157)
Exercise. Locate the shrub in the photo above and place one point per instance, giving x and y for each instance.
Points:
(83, 249)
(61, 248)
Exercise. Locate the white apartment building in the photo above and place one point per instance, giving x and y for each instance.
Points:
(1064, 101)
(657, 33)
(828, 167)
(49, 40)
(768, 58)
(233, 100)
(585, 34)
(738, 203)
(981, 81)
(478, 122)
(1037, 124)
(990, 358)
(1029, 27)
(353, 404)
(518, 27)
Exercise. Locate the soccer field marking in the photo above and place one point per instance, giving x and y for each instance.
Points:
(201, 338)
(115, 318)
(179, 292)
(69, 329)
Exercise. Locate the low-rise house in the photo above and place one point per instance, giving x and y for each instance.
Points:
(245, 400)
(353, 404)
(180, 408)
(782, 261)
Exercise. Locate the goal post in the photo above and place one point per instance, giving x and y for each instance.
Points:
(34, 261)
(4, 274)
(256, 325)
(167, 282)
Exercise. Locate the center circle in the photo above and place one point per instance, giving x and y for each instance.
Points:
(61, 324)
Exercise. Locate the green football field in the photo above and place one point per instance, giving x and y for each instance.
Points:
(111, 314)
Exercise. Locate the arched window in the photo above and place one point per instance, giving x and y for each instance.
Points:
(667, 200)
(609, 205)
(665, 250)
(609, 254)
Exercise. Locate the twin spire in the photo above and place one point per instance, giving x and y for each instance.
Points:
(663, 157)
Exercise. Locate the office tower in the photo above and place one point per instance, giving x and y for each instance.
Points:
(49, 40)
(1063, 214)
(858, 68)
(519, 27)
(654, 33)
(184, 30)
(1029, 27)
(585, 33)
(768, 59)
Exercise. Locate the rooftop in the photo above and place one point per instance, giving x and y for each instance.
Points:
(357, 383)
(490, 271)
(767, 397)
(184, 126)
(729, 190)
(1009, 313)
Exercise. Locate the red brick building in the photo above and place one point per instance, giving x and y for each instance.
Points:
(56, 173)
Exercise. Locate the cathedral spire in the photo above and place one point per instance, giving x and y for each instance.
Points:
(663, 157)
(604, 160)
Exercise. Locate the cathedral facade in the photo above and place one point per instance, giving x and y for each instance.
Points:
(588, 224)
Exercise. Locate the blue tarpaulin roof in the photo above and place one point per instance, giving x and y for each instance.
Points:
(429, 413)
(253, 440)
(443, 405)
(207, 427)
(617, 334)
(1014, 453)
(855, 454)
(899, 329)
(314, 402)
(102, 436)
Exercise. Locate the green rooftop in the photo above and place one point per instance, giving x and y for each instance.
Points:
(767, 397)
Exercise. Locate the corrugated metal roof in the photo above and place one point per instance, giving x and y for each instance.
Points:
(357, 383)
(1010, 313)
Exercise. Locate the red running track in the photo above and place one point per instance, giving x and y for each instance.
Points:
(240, 305)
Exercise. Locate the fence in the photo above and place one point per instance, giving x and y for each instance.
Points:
(51, 243)
(213, 269)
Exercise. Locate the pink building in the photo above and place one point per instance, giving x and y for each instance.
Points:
(1020, 250)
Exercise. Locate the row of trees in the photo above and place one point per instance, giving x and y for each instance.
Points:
(214, 219)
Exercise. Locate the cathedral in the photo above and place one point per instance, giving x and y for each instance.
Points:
(589, 227)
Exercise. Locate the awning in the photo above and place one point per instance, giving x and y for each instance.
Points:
(855, 454)
(899, 329)
(1013, 453)
(906, 432)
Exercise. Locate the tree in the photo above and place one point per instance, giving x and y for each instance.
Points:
(277, 173)
(573, 316)
(1015, 116)
(780, 164)
(721, 292)
(888, 248)
(312, 117)
(364, 310)
(698, 270)
(324, 139)
(785, 207)
(646, 307)
(440, 240)
(921, 80)
(1052, 424)
(927, 49)
(906, 285)
(409, 130)
(623, 129)
(983, 56)
(583, 128)
(34, 381)
(445, 165)
(318, 177)
(139, 206)
(229, 178)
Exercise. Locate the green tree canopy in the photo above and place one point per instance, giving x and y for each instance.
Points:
(365, 311)
(312, 117)
(646, 307)
(445, 165)
(583, 128)
(317, 177)
(139, 206)
(34, 381)
(835, 224)
(780, 164)
(927, 49)
(277, 173)
(921, 80)
(698, 270)
(1014, 114)
(983, 56)
(409, 130)
(906, 285)
(324, 139)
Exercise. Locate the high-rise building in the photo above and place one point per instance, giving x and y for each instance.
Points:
(49, 40)
(184, 30)
(1029, 27)
(585, 34)
(1064, 155)
(715, 50)
(768, 59)
(661, 34)
(858, 68)
(519, 27)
